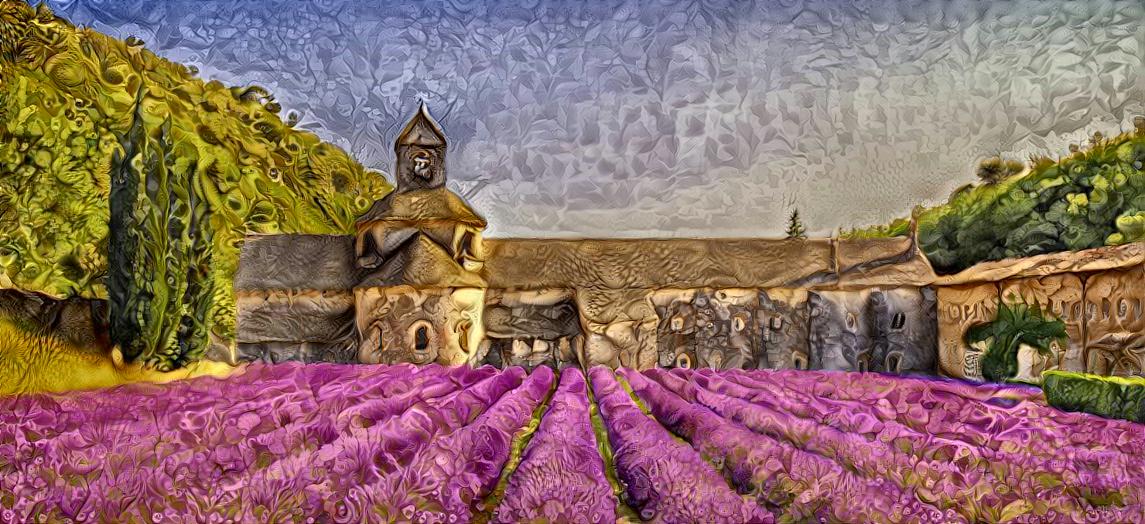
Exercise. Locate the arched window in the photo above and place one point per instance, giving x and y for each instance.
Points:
(898, 321)
(799, 360)
(465, 247)
(894, 362)
(421, 338)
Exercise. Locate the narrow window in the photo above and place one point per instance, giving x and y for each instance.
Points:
(898, 320)
(421, 339)
(466, 247)
(894, 362)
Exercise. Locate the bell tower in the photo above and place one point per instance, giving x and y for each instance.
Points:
(420, 152)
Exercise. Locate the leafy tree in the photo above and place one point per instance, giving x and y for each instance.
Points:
(994, 170)
(795, 228)
(1015, 324)
(189, 174)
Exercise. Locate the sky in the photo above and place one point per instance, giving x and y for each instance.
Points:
(675, 118)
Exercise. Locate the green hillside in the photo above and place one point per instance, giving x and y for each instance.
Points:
(76, 105)
(1094, 197)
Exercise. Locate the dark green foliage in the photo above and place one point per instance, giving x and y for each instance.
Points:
(795, 228)
(1110, 397)
(70, 120)
(159, 283)
(123, 242)
(1015, 324)
(1089, 199)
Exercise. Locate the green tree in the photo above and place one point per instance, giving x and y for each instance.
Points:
(795, 227)
(994, 170)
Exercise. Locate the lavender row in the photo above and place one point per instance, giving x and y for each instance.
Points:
(231, 467)
(447, 480)
(906, 396)
(561, 473)
(666, 481)
(794, 484)
(979, 495)
(961, 427)
(956, 425)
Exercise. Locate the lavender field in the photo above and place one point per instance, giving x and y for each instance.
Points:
(340, 443)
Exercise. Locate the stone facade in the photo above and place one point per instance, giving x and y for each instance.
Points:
(1098, 293)
(1115, 322)
(419, 283)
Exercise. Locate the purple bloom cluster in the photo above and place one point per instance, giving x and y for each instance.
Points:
(447, 479)
(793, 483)
(949, 443)
(342, 443)
(561, 473)
(666, 480)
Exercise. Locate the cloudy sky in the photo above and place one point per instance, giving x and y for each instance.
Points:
(669, 117)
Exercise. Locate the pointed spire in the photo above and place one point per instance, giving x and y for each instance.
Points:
(421, 130)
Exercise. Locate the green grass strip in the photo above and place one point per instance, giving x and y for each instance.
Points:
(516, 449)
(624, 512)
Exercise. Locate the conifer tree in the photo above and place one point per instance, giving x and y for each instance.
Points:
(795, 227)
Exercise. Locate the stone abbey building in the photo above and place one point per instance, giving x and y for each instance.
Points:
(419, 283)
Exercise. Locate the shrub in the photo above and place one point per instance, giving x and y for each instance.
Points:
(1110, 397)
(1014, 325)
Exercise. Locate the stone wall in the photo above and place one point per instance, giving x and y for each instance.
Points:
(1103, 312)
(419, 325)
(1115, 322)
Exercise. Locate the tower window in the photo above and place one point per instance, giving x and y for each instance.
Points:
(422, 164)
(898, 321)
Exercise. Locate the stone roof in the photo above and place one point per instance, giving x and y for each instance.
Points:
(422, 205)
(655, 263)
(297, 262)
(421, 130)
(421, 262)
(326, 262)
(1087, 260)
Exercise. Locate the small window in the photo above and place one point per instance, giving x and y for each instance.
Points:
(677, 323)
(738, 324)
(776, 323)
(898, 321)
(894, 362)
(850, 321)
(864, 363)
(466, 245)
(799, 361)
(683, 361)
(421, 339)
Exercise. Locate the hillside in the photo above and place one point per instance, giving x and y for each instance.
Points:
(73, 99)
(1093, 197)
